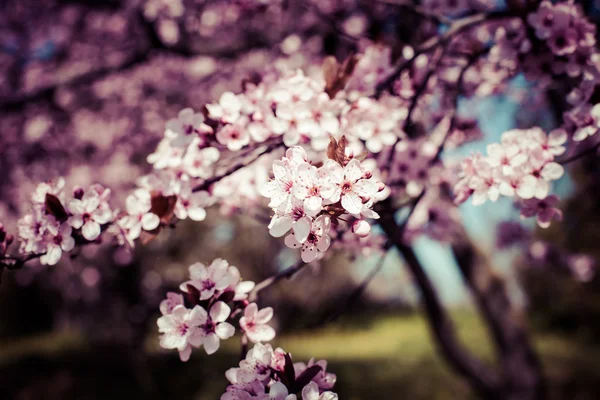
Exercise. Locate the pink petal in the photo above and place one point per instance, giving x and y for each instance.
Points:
(352, 203)
(90, 230)
(264, 315)
(301, 229)
(219, 311)
(211, 343)
(224, 330)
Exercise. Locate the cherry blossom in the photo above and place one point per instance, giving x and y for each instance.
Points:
(60, 240)
(209, 279)
(90, 212)
(139, 216)
(521, 165)
(543, 209)
(317, 241)
(173, 300)
(254, 323)
(181, 330)
(311, 392)
(352, 186)
(213, 326)
(187, 126)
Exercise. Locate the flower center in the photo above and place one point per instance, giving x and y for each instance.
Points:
(312, 238)
(209, 327)
(346, 187)
(314, 191)
(183, 329)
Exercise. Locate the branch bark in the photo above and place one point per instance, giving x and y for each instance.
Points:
(479, 375)
(522, 376)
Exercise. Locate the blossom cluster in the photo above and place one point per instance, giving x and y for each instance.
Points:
(57, 222)
(522, 165)
(268, 373)
(203, 313)
(562, 43)
(305, 199)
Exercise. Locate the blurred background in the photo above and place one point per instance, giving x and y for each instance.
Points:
(85, 89)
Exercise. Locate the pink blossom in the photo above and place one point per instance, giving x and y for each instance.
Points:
(199, 162)
(60, 240)
(173, 300)
(213, 327)
(351, 185)
(180, 330)
(90, 212)
(187, 126)
(208, 280)
(311, 392)
(361, 228)
(254, 323)
(234, 136)
(543, 209)
(138, 216)
(192, 204)
(317, 241)
(228, 110)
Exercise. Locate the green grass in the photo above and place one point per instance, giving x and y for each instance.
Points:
(391, 357)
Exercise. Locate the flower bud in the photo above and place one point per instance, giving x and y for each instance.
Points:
(361, 228)
(78, 193)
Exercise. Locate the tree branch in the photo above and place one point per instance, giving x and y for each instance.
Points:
(210, 181)
(478, 374)
(521, 369)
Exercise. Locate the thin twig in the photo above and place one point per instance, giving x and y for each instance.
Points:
(207, 183)
(456, 27)
(286, 273)
(581, 154)
(355, 294)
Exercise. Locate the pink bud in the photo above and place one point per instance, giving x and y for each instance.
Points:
(361, 228)
(78, 193)
(380, 186)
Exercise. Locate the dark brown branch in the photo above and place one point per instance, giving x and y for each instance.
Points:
(480, 376)
(521, 369)
(355, 295)
(581, 154)
(457, 27)
(286, 273)
(210, 181)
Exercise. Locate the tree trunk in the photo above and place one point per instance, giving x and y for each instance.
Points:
(518, 375)
(522, 377)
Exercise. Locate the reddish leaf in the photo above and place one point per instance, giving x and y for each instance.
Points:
(163, 206)
(330, 72)
(305, 377)
(331, 149)
(288, 369)
(55, 208)
(192, 297)
(336, 75)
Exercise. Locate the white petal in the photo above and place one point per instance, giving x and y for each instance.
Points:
(301, 229)
(308, 253)
(219, 312)
(280, 226)
(197, 214)
(352, 170)
(185, 354)
(352, 203)
(211, 343)
(90, 230)
(224, 330)
(150, 221)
